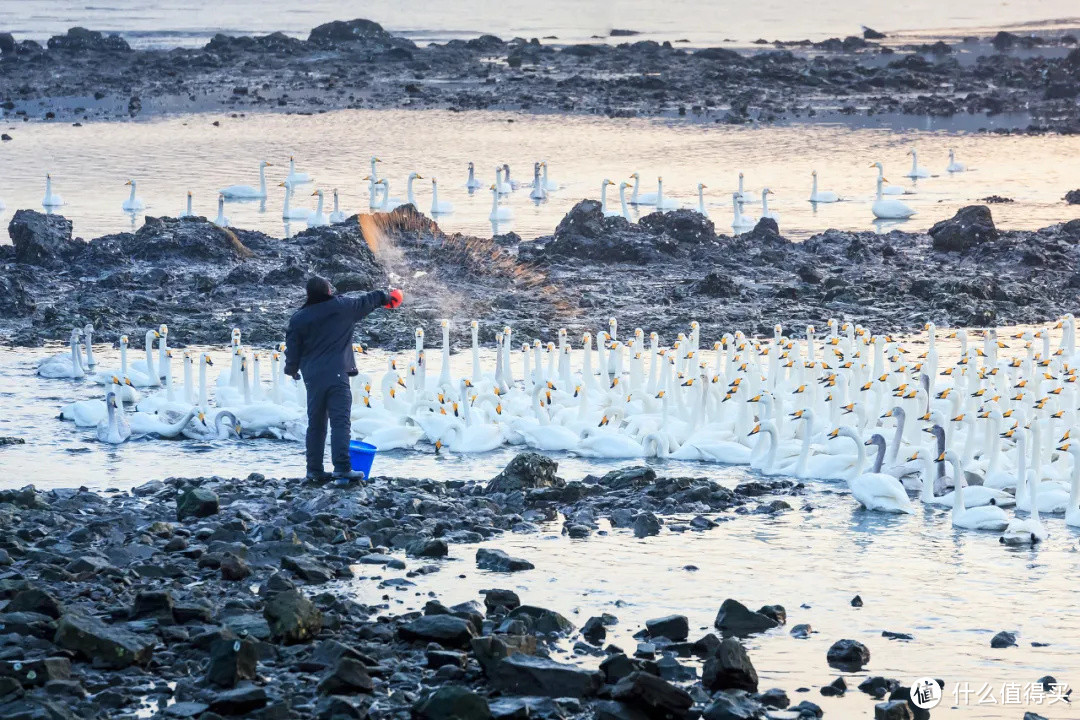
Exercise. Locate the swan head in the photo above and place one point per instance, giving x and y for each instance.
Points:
(130, 182)
(635, 176)
(701, 186)
(415, 176)
(317, 192)
(606, 183)
(88, 329)
(266, 164)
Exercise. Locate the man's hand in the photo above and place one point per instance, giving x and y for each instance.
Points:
(396, 298)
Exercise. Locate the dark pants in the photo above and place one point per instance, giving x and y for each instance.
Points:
(329, 398)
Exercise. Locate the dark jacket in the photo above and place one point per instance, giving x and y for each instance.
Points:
(319, 340)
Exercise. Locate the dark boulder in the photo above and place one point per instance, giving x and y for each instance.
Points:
(81, 40)
(497, 599)
(683, 226)
(531, 675)
(452, 702)
(34, 600)
(447, 630)
(971, 226)
(672, 627)
(292, 618)
(730, 668)
(646, 524)
(528, 470)
(1003, 639)
(848, 655)
(239, 701)
(499, 561)
(658, 698)
(232, 660)
(1073, 197)
(348, 31)
(541, 620)
(102, 644)
(41, 239)
(719, 284)
(196, 502)
(893, 710)
(734, 618)
(733, 705)
(348, 677)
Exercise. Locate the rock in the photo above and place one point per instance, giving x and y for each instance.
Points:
(447, 630)
(196, 502)
(238, 701)
(848, 655)
(896, 635)
(496, 599)
(1003, 639)
(528, 470)
(34, 600)
(341, 707)
(97, 642)
(972, 225)
(232, 660)
(734, 705)
(615, 667)
(441, 658)
(530, 675)
(801, 631)
(612, 710)
(856, 601)
(730, 668)
(646, 524)
(490, 649)
(542, 620)
(635, 477)
(348, 31)
(594, 631)
(153, 603)
(499, 561)
(234, 568)
(878, 686)
(348, 677)
(892, 710)
(292, 618)
(82, 40)
(774, 612)
(307, 569)
(872, 34)
(186, 709)
(683, 226)
(673, 627)
(43, 240)
(734, 618)
(1073, 197)
(429, 548)
(836, 688)
(452, 702)
(655, 696)
(774, 698)
(34, 673)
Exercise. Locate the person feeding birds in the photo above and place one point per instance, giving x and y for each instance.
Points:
(318, 348)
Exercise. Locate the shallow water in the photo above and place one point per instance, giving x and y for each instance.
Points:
(168, 157)
(951, 589)
(697, 21)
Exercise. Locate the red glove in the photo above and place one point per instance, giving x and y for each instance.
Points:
(396, 298)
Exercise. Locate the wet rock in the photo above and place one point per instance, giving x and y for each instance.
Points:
(153, 603)
(718, 284)
(733, 705)
(1003, 639)
(615, 667)
(292, 618)
(490, 649)
(730, 668)
(878, 686)
(34, 673)
(655, 696)
(234, 568)
(429, 548)
(626, 478)
(41, 239)
(34, 600)
(646, 524)
(872, 34)
(734, 618)
(348, 677)
(238, 701)
(807, 709)
(97, 642)
(856, 601)
(594, 631)
(774, 698)
(526, 471)
(848, 655)
(775, 612)
(530, 675)
(892, 710)
(1073, 197)
(441, 658)
(232, 660)
(81, 40)
(683, 226)
(542, 620)
(672, 627)
(496, 600)
(499, 561)
(452, 702)
(341, 707)
(896, 635)
(196, 502)
(447, 630)
(835, 689)
(971, 226)
(307, 569)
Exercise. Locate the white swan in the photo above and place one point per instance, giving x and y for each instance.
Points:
(221, 220)
(1072, 513)
(499, 212)
(134, 203)
(740, 223)
(395, 437)
(887, 189)
(874, 490)
(51, 199)
(506, 177)
(410, 197)
(607, 443)
(765, 212)
(337, 215)
(288, 212)
(701, 199)
(318, 218)
(916, 170)
(953, 166)
(299, 178)
(549, 184)
(1027, 531)
(114, 429)
(887, 208)
(64, 365)
(974, 495)
(603, 200)
(187, 212)
(980, 517)
(821, 196)
(439, 207)
(663, 203)
(143, 423)
(746, 197)
(503, 186)
(624, 209)
(242, 192)
(538, 192)
(388, 203)
(473, 183)
(640, 198)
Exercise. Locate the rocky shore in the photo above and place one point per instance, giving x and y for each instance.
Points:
(1026, 83)
(658, 274)
(210, 597)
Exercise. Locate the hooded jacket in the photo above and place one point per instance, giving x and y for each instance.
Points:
(319, 340)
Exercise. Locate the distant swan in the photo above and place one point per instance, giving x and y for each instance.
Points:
(549, 184)
(288, 212)
(765, 212)
(439, 207)
(701, 199)
(916, 170)
(741, 223)
(187, 212)
(743, 194)
(953, 166)
(821, 196)
(538, 192)
(241, 192)
(603, 200)
(134, 203)
(221, 220)
(887, 189)
(337, 215)
(298, 178)
(473, 183)
(640, 198)
(499, 212)
(888, 208)
(318, 218)
(51, 199)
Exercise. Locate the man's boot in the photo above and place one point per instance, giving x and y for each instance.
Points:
(344, 477)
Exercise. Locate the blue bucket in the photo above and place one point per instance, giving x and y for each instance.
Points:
(361, 455)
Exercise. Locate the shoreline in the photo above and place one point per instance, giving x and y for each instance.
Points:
(85, 75)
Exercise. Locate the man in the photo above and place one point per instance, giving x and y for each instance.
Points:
(318, 347)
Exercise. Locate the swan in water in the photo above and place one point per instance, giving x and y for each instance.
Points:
(64, 365)
(538, 192)
(663, 203)
(916, 170)
(640, 198)
(953, 166)
(288, 212)
(980, 517)
(886, 189)
(134, 203)
(701, 199)
(247, 192)
(114, 429)
(1030, 530)
(874, 490)
(411, 198)
(1072, 513)
(473, 183)
(746, 197)
(549, 184)
(51, 199)
(603, 200)
(741, 223)
(144, 423)
(502, 185)
(765, 212)
(337, 215)
(506, 177)
(200, 429)
(318, 218)
(439, 207)
(974, 495)
(302, 178)
(187, 212)
(887, 208)
(499, 212)
(388, 203)
(221, 220)
(821, 196)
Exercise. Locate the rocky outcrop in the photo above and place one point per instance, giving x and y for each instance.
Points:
(102, 644)
(971, 226)
(527, 471)
(41, 239)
